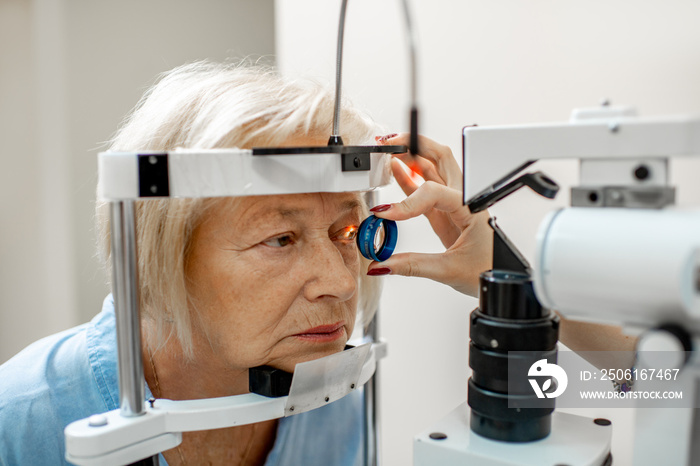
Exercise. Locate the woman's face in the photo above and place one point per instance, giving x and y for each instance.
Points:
(274, 278)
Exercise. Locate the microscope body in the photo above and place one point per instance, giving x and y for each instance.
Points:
(622, 254)
(504, 421)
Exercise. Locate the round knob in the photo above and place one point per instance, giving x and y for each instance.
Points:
(664, 348)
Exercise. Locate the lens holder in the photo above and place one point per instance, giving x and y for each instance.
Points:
(367, 234)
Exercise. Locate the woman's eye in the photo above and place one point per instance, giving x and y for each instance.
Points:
(346, 234)
(279, 241)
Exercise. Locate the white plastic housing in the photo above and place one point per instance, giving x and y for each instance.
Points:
(118, 440)
(623, 266)
(600, 134)
(237, 172)
(574, 441)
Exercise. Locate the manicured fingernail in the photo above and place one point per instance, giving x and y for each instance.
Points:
(379, 271)
(380, 208)
(383, 139)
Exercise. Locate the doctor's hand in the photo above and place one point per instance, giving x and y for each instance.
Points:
(467, 237)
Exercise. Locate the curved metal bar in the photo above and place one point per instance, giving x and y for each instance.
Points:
(412, 54)
(339, 72)
(335, 138)
(411, 36)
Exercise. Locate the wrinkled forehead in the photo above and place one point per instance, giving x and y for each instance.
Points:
(321, 206)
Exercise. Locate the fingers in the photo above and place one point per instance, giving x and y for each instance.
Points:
(408, 186)
(444, 227)
(458, 267)
(429, 195)
(430, 266)
(420, 166)
(441, 157)
(440, 221)
(451, 271)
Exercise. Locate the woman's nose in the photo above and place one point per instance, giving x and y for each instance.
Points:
(329, 275)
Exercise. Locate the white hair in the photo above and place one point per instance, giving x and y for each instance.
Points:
(208, 105)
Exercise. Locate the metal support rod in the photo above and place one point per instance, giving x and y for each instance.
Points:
(413, 65)
(413, 73)
(125, 291)
(339, 69)
(371, 388)
(372, 424)
(126, 307)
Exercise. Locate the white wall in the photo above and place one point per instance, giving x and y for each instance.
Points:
(69, 72)
(489, 62)
(21, 259)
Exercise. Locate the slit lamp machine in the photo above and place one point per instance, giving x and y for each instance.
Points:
(621, 254)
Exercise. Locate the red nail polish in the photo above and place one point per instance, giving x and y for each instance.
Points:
(380, 208)
(388, 136)
(379, 271)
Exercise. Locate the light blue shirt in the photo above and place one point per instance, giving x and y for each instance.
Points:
(73, 374)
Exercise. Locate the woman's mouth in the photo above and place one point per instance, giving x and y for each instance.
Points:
(323, 333)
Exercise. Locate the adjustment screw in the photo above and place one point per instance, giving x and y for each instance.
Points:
(151, 401)
(291, 408)
(152, 159)
(494, 343)
(352, 386)
(327, 399)
(614, 127)
(642, 172)
(154, 189)
(438, 436)
(357, 162)
(97, 420)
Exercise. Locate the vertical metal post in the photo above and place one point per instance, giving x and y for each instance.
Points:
(372, 424)
(125, 290)
(126, 307)
(335, 138)
(371, 389)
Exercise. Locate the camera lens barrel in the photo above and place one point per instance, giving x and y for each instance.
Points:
(509, 319)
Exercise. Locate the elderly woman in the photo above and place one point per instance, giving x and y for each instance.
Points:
(230, 284)
(226, 284)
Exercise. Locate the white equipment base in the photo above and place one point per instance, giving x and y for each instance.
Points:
(112, 439)
(574, 441)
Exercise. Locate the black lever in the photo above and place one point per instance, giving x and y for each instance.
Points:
(538, 182)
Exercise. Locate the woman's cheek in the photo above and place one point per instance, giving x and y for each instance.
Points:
(351, 256)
